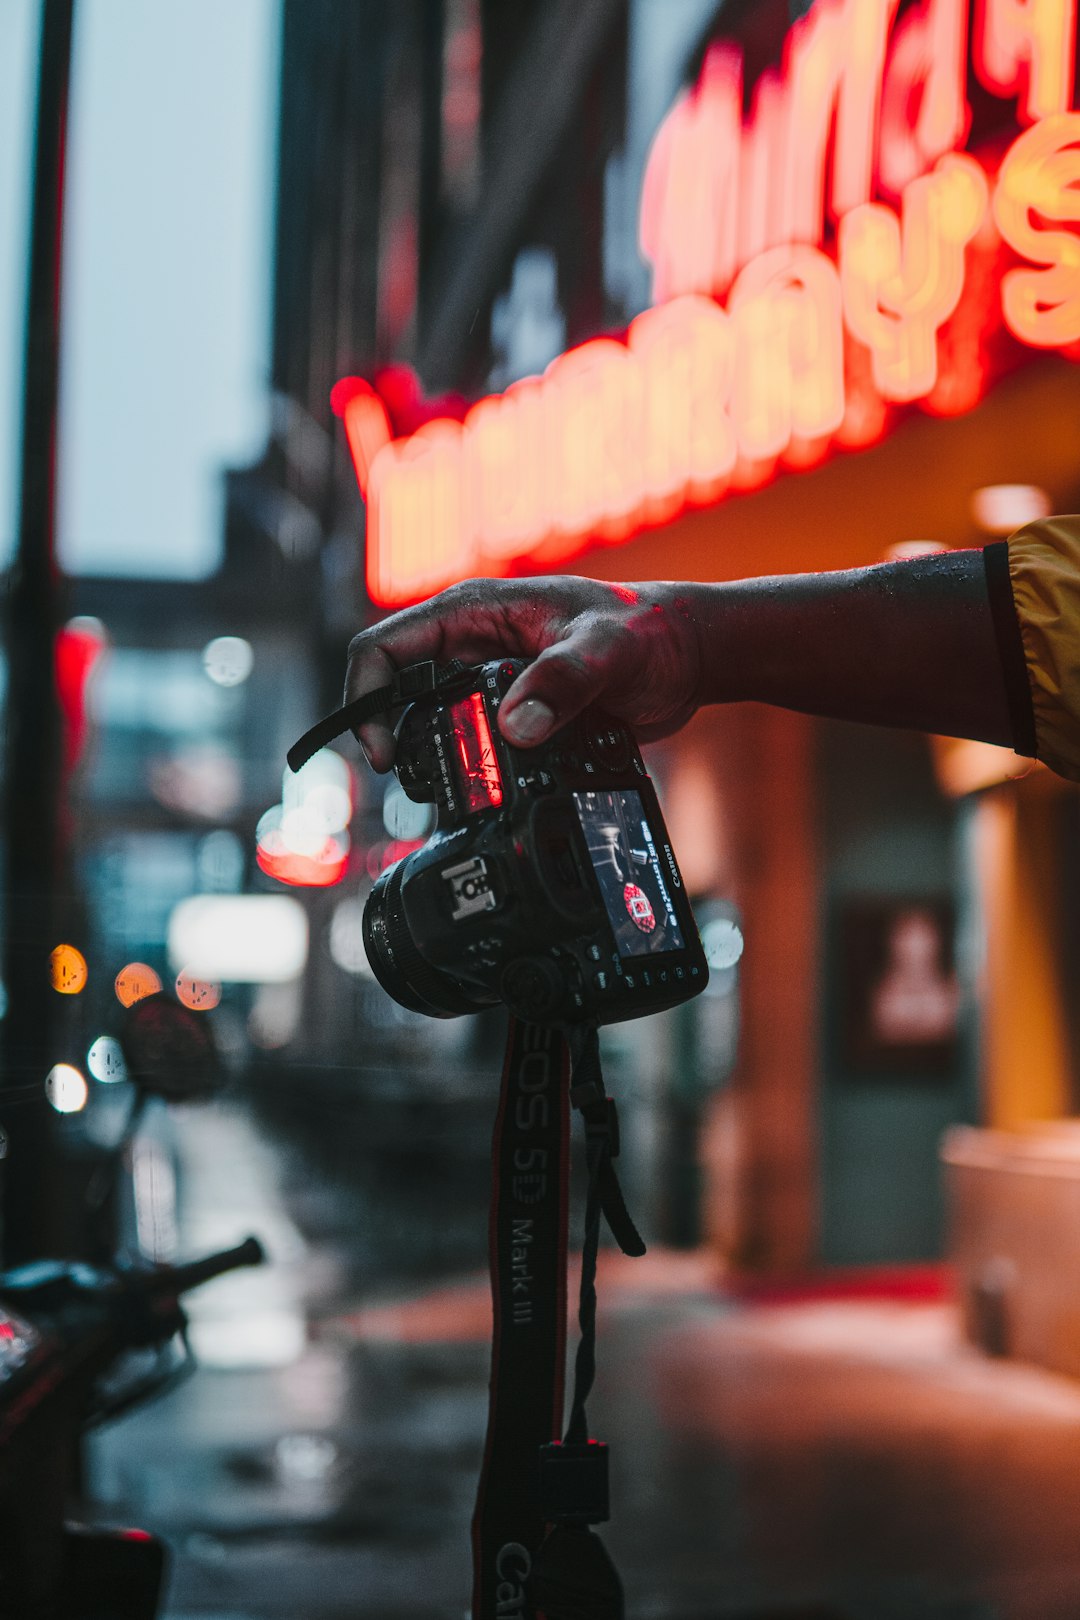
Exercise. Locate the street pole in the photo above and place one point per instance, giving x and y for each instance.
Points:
(33, 857)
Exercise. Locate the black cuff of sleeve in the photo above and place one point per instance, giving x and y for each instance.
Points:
(1010, 647)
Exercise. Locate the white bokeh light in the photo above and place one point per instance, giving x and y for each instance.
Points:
(105, 1060)
(239, 938)
(402, 818)
(66, 1088)
(722, 941)
(347, 938)
(331, 804)
(1001, 508)
(302, 832)
(228, 660)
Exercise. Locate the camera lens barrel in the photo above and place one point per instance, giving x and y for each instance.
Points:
(395, 960)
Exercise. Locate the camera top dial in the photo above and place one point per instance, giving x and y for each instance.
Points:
(415, 765)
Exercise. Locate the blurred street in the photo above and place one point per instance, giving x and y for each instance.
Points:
(807, 1451)
(310, 311)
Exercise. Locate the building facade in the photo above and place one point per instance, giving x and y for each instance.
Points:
(671, 290)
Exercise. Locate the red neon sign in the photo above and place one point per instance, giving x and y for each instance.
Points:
(887, 102)
(839, 304)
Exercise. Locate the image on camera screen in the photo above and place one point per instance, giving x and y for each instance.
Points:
(627, 865)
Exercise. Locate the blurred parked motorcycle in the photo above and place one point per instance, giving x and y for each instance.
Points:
(79, 1344)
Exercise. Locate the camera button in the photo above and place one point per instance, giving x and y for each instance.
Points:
(610, 747)
(534, 988)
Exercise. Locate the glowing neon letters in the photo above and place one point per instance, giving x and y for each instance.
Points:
(612, 436)
(718, 190)
(1026, 48)
(789, 366)
(860, 128)
(1040, 177)
(902, 278)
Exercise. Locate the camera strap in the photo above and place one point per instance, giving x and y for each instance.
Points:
(416, 681)
(527, 1253)
(534, 1554)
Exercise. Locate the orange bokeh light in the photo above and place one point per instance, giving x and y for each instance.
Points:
(198, 994)
(134, 982)
(67, 970)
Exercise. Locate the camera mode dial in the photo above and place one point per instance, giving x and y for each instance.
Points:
(414, 761)
(609, 745)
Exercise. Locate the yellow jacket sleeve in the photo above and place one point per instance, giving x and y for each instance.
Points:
(1044, 572)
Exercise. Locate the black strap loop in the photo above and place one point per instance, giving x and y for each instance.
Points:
(417, 680)
(602, 1127)
(604, 1196)
(574, 1577)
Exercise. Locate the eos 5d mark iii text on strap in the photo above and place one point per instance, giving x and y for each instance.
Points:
(534, 1551)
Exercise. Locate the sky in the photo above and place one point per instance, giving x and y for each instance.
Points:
(18, 43)
(167, 272)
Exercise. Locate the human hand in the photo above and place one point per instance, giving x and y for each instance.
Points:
(633, 649)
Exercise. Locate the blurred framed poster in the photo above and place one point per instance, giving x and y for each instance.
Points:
(900, 998)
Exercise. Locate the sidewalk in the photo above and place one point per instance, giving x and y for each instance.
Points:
(791, 1454)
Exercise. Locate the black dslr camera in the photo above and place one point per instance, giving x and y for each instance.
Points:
(549, 882)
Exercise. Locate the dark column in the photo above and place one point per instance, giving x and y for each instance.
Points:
(429, 212)
(32, 855)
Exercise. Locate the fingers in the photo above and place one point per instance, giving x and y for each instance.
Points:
(550, 692)
(372, 670)
(598, 659)
(631, 652)
(409, 637)
(592, 643)
(404, 638)
(476, 620)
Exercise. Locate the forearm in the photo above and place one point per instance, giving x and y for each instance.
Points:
(901, 644)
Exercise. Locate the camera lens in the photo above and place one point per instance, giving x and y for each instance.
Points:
(395, 959)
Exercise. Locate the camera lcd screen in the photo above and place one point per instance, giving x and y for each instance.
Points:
(627, 865)
(477, 766)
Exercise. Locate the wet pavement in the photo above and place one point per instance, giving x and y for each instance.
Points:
(803, 1456)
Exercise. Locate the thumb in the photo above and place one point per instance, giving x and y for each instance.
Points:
(549, 693)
